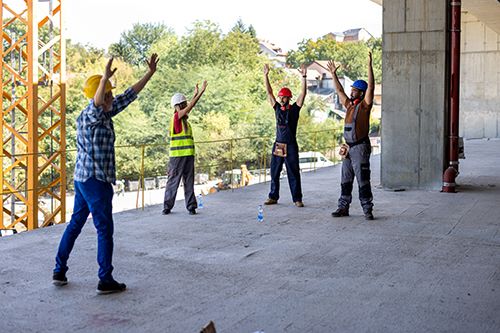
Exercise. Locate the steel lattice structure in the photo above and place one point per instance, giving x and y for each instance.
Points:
(33, 114)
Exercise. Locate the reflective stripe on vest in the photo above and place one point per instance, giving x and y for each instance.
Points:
(181, 144)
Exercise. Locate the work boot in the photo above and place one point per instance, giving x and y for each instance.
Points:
(369, 215)
(165, 211)
(192, 211)
(110, 287)
(59, 279)
(341, 212)
(270, 201)
(299, 204)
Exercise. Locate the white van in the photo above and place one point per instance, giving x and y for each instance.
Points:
(311, 160)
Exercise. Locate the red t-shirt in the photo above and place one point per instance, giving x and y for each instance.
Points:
(177, 123)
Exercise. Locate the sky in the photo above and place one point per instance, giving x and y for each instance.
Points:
(285, 23)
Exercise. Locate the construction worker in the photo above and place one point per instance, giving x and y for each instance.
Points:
(285, 148)
(356, 128)
(95, 173)
(181, 163)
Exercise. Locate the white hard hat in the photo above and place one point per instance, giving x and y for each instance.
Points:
(178, 98)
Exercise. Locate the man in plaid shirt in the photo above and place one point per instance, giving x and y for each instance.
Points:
(95, 172)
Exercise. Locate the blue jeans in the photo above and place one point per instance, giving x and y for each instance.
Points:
(92, 196)
(292, 172)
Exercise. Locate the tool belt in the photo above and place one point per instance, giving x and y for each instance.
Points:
(363, 140)
(279, 149)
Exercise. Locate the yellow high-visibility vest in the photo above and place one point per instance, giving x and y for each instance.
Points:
(181, 144)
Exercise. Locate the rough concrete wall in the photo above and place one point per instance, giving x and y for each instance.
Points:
(480, 80)
(413, 108)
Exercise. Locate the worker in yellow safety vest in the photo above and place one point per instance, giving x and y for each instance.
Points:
(181, 163)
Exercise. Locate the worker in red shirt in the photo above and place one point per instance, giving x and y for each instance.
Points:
(285, 148)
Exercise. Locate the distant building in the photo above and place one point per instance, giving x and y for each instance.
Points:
(377, 102)
(318, 76)
(320, 82)
(337, 36)
(351, 35)
(359, 34)
(273, 52)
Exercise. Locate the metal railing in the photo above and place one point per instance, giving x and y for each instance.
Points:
(214, 158)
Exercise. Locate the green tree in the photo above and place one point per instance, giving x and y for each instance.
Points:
(238, 51)
(241, 27)
(134, 45)
(201, 44)
(234, 104)
(351, 55)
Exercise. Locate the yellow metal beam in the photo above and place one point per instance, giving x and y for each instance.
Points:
(34, 162)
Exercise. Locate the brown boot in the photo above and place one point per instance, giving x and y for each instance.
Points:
(299, 203)
(270, 201)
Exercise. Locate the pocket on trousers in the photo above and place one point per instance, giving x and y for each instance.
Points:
(365, 172)
(367, 150)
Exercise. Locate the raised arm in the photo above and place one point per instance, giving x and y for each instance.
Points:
(303, 92)
(371, 81)
(194, 100)
(340, 91)
(269, 89)
(153, 61)
(101, 89)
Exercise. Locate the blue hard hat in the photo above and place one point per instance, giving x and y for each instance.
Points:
(360, 84)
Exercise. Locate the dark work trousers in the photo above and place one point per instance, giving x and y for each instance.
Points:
(180, 167)
(292, 170)
(96, 197)
(357, 164)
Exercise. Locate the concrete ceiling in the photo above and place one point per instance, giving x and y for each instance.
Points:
(487, 11)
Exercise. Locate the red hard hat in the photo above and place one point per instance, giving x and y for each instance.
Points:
(285, 92)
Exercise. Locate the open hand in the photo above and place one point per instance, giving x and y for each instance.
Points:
(153, 62)
(303, 70)
(204, 85)
(108, 72)
(332, 67)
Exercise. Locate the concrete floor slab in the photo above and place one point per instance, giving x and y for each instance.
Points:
(429, 262)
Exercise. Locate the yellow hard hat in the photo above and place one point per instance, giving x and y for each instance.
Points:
(91, 85)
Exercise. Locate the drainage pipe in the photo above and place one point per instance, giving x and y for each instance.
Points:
(451, 172)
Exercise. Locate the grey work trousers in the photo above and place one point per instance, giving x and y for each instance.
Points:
(180, 168)
(357, 164)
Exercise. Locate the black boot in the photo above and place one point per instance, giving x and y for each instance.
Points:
(341, 212)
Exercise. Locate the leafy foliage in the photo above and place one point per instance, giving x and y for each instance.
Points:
(233, 106)
(351, 55)
(134, 45)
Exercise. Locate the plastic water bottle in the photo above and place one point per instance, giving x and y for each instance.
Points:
(200, 201)
(260, 214)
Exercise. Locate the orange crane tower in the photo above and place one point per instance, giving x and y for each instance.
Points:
(33, 131)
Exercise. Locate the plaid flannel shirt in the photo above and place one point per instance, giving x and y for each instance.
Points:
(95, 140)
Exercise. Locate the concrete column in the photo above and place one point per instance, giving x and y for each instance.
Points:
(414, 90)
